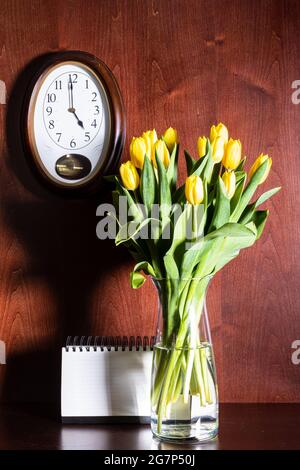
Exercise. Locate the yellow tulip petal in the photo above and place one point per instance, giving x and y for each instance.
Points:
(138, 150)
(229, 180)
(129, 175)
(218, 149)
(171, 138)
(194, 192)
(201, 146)
(232, 155)
(219, 131)
(258, 162)
(162, 152)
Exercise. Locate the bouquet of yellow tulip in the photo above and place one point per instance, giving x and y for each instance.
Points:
(228, 222)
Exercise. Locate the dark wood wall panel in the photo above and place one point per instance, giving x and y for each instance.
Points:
(182, 63)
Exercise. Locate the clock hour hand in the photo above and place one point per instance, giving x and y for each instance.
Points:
(80, 123)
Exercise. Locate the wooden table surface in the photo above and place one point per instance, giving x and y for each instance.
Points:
(242, 426)
(186, 64)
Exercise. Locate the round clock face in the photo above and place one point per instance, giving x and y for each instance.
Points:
(70, 123)
(73, 109)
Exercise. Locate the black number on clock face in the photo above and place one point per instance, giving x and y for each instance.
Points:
(94, 96)
(73, 77)
(51, 97)
(94, 123)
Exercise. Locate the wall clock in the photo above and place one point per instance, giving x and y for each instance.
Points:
(73, 121)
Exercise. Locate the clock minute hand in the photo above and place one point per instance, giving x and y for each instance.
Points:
(71, 108)
(70, 92)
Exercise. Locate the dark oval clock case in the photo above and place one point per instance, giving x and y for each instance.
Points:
(117, 112)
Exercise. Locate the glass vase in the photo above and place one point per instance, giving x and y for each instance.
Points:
(184, 396)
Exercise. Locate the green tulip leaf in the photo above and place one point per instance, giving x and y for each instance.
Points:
(147, 186)
(202, 220)
(135, 211)
(200, 165)
(146, 267)
(250, 209)
(199, 252)
(222, 208)
(165, 199)
(215, 176)
(209, 167)
(259, 218)
(172, 168)
(238, 237)
(179, 195)
(130, 230)
(203, 255)
(232, 246)
(136, 279)
(248, 192)
(190, 162)
(230, 229)
(241, 164)
(265, 196)
(240, 175)
(180, 229)
(238, 193)
(171, 266)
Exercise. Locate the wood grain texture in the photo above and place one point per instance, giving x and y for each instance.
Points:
(182, 63)
(244, 426)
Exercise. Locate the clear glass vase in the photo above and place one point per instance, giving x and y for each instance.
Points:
(184, 396)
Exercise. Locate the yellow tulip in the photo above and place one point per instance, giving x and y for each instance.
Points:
(229, 180)
(194, 190)
(162, 152)
(218, 149)
(258, 162)
(201, 146)
(150, 137)
(232, 155)
(219, 131)
(148, 144)
(129, 175)
(171, 138)
(138, 150)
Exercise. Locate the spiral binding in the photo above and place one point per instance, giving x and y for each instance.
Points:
(110, 343)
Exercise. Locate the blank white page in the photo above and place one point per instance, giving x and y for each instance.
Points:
(99, 383)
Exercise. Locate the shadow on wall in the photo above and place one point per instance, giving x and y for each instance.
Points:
(59, 237)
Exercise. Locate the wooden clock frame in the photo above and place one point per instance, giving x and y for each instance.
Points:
(117, 114)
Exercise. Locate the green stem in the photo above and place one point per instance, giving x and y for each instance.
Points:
(203, 359)
(169, 382)
(165, 388)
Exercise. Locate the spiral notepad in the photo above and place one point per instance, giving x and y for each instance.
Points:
(106, 379)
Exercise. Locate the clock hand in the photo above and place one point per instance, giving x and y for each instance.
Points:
(80, 123)
(70, 92)
(71, 108)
